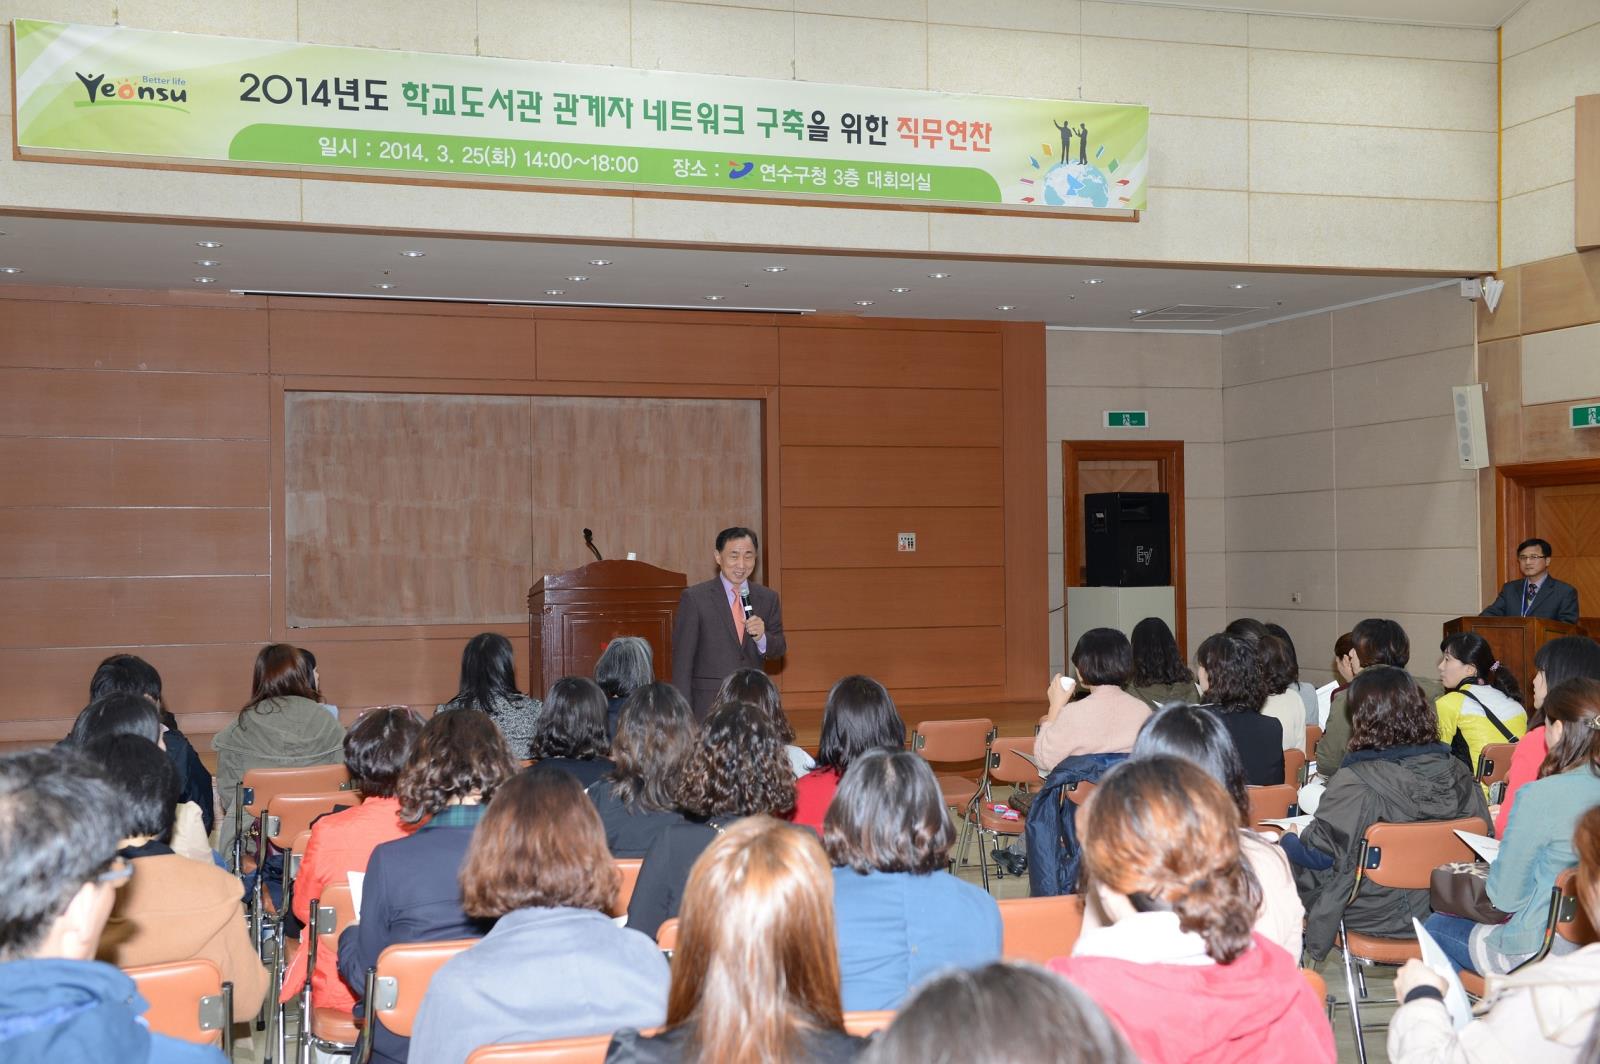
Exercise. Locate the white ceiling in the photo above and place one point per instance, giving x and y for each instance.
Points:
(90, 253)
(1474, 14)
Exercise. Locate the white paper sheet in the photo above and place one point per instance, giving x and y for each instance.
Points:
(357, 880)
(1482, 845)
(1301, 821)
(1455, 995)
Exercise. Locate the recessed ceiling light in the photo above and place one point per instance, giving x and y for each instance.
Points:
(938, 276)
(716, 299)
(10, 269)
(1238, 285)
(207, 263)
(205, 280)
(899, 291)
(385, 285)
(1139, 312)
(863, 302)
(555, 291)
(1006, 306)
(775, 269)
(599, 262)
(413, 254)
(577, 279)
(208, 243)
(1094, 280)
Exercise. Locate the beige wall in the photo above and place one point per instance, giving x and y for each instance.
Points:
(1549, 57)
(1276, 140)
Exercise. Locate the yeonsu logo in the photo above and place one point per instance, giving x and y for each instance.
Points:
(150, 88)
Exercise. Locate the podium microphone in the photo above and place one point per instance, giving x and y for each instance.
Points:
(588, 541)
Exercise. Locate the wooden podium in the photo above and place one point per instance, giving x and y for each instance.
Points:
(1515, 640)
(573, 615)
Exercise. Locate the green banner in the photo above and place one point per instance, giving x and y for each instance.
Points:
(105, 91)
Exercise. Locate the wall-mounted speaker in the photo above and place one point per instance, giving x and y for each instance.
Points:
(1472, 438)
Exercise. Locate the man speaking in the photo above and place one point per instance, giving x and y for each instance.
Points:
(726, 623)
(1537, 594)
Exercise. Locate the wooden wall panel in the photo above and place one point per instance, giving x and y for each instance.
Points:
(657, 352)
(87, 335)
(892, 476)
(1027, 628)
(409, 672)
(45, 402)
(834, 599)
(132, 542)
(891, 417)
(826, 537)
(890, 358)
(399, 344)
(79, 472)
(48, 612)
(1561, 292)
(905, 661)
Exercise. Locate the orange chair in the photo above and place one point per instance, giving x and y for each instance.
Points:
(952, 742)
(1402, 856)
(1079, 792)
(667, 936)
(1313, 737)
(1319, 987)
(1005, 767)
(261, 785)
(587, 1050)
(283, 949)
(1272, 803)
(188, 1001)
(628, 873)
(395, 986)
(862, 1024)
(1040, 929)
(1494, 765)
(328, 1029)
(1294, 767)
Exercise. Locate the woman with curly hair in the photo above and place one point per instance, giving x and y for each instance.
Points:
(656, 734)
(411, 893)
(756, 687)
(1398, 772)
(1234, 686)
(739, 770)
(1179, 971)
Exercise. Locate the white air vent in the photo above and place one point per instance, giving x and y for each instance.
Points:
(1193, 314)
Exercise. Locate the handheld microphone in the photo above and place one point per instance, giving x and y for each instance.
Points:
(744, 600)
(588, 541)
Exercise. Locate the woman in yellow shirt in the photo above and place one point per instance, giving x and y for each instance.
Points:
(1481, 700)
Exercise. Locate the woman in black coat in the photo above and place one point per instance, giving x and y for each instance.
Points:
(1233, 684)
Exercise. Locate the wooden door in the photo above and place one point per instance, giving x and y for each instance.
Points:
(1568, 515)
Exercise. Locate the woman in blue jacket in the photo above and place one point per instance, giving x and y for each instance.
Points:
(901, 917)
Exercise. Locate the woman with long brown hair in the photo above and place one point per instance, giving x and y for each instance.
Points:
(755, 977)
(283, 725)
(1178, 970)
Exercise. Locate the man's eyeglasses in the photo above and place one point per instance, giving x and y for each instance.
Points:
(1530, 557)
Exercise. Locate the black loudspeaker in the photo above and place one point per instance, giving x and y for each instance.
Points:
(1127, 539)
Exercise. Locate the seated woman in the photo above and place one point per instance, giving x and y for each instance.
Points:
(738, 770)
(375, 751)
(1308, 693)
(1234, 685)
(626, 664)
(858, 716)
(571, 733)
(1537, 845)
(173, 908)
(756, 688)
(555, 965)
(1159, 674)
(1196, 735)
(489, 685)
(754, 977)
(656, 734)
(1398, 772)
(132, 675)
(901, 916)
(1283, 703)
(282, 726)
(411, 892)
(1482, 701)
(1107, 719)
(1571, 657)
(999, 1014)
(1546, 1012)
(1178, 970)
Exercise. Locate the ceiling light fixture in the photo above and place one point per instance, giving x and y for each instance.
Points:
(938, 276)
(775, 269)
(385, 285)
(1006, 306)
(716, 299)
(577, 278)
(208, 243)
(1239, 286)
(863, 302)
(899, 291)
(413, 254)
(555, 291)
(1094, 280)
(207, 263)
(599, 262)
(205, 280)
(10, 269)
(1139, 312)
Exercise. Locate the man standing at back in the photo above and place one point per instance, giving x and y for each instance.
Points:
(726, 623)
(1537, 594)
(59, 874)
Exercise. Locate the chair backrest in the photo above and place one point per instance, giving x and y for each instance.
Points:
(1313, 737)
(1405, 855)
(1572, 923)
(1079, 792)
(1272, 803)
(1040, 929)
(187, 1000)
(1294, 766)
(261, 785)
(587, 1050)
(628, 876)
(290, 814)
(862, 1024)
(667, 935)
(1494, 762)
(403, 975)
(1319, 985)
(1004, 764)
(945, 741)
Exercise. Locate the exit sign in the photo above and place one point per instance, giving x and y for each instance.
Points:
(1586, 417)
(1131, 419)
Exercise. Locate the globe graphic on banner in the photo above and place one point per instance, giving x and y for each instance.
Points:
(1076, 185)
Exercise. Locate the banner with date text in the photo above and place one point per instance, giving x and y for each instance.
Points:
(111, 92)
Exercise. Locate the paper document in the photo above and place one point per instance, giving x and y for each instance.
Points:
(357, 879)
(1455, 995)
(1324, 703)
(1482, 845)
(1302, 821)
(1044, 773)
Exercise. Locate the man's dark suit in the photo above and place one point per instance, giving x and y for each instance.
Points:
(705, 645)
(1556, 601)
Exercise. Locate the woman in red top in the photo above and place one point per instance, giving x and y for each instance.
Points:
(375, 750)
(1179, 970)
(859, 716)
(1571, 657)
